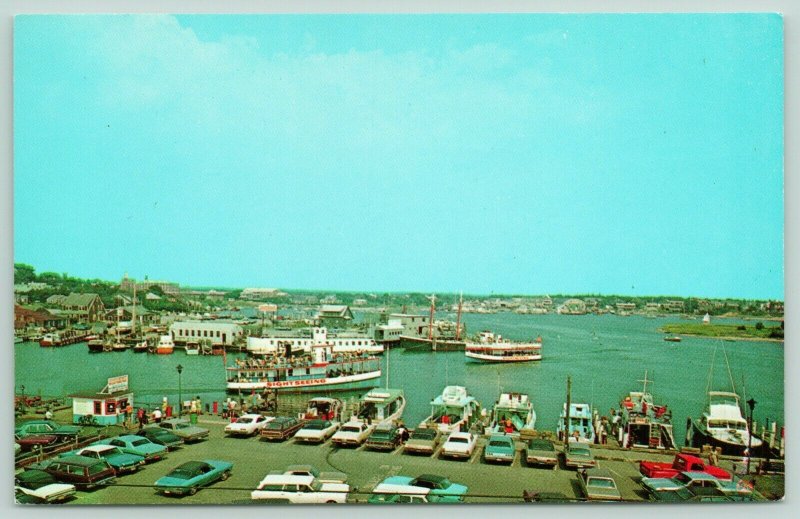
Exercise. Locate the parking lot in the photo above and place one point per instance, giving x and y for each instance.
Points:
(253, 458)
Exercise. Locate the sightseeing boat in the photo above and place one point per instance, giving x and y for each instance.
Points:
(453, 410)
(64, 337)
(512, 413)
(491, 348)
(165, 345)
(581, 428)
(323, 369)
(644, 423)
(341, 343)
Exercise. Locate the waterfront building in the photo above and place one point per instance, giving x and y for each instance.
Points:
(106, 406)
(626, 307)
(144, 317)
(389, 332)
(215, 331)
(674, 306)
(84, 307)
(260, 293)
(414, 325)
(55, 299)
(41, 318)
(334, 316)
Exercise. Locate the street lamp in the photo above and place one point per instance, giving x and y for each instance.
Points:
(751, 404)
(180, 396)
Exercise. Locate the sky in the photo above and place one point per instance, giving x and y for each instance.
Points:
(525, 154)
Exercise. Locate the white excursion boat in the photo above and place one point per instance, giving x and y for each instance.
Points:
(453, 410)
(512, 413)
(323, 369)
(319, 337)
(491, 348)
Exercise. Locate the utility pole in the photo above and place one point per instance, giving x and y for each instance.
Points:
(569, 404)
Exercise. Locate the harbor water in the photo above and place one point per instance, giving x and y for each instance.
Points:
(606, 356)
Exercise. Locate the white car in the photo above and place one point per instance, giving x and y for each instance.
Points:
(40, 487)
(299, 489)
(248, 425)
(460, 445)
(352, 433)
(316, 431)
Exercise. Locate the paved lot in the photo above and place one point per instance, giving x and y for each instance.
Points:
(253, 459)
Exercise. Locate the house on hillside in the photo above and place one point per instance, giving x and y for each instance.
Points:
(334, 316)
(84, 307)
(39, 318)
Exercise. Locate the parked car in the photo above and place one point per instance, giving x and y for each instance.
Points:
(387, 498)
(182, 428)
(352, 434)
(121, 461)
(161, 436)
(247, 425)
(541, 452)
(700, 494)
(63, 432)
(532, 496)
(423, 441)
(299, 489)
(43, 487)
(459, 445)
(281, 428)
(598, 485)
(310, 470)
(81, 471)
(133, 444)
(695, 481)
(500, 448)
(681, 463)
(316, 431)
(36, 441)
(578, 455)
(384, 438)
(189, 477)
(434, 489)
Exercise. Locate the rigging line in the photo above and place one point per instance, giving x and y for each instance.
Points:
(728, 365)
(711, 370)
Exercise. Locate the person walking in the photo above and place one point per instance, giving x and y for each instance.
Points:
(140, 417)
(157, 415)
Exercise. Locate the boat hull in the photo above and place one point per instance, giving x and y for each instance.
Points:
(428, 344)
(360, 381)
(483, 357)
(164, 351)
(699, 437)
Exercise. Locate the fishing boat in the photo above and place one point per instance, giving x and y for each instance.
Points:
(672, 338)
(380, 407)
(512, 413)
(319, 336)
(323, 408)
(722, 424)
(453, 410)
(303, 372)
(644, 423)
(581, 428)
(441, 336)
(140, 347)
(490, 348)
(120, 346)
(165, 345)
(193, 348)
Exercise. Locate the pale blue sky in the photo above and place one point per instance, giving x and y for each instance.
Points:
(630, 154)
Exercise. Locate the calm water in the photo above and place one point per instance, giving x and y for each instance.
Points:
(605, 355)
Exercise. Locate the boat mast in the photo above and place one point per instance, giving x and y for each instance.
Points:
(458, 317)
(644, 390)
(432, 297)
(566, 415)
(133, 313)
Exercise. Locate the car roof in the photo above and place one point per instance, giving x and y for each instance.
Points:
(33, 475)
(75, 459)
(459, 434)
(192, 465)
(500, 437)
(99, 448)
(540, 442)
(597, 472)
(284, 479)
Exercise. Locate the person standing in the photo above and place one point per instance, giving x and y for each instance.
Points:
(140, 417)
(48, 415)
(157, 415)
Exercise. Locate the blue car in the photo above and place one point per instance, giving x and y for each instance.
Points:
(119, 460)
(132, 444)
(189, 477)
(500, 448)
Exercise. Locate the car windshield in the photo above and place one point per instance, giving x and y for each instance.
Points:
(458, 439)
(541, 446)
(245, 419)
(351, 429)
(139, 443)
(499, 443)
(579, 451)
(601, 483)
(316, 425)
(423, 434)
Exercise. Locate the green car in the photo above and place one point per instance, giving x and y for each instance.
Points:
(193, 475)
(500, 449)
(132, 444)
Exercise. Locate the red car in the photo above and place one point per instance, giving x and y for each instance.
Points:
(34, 441)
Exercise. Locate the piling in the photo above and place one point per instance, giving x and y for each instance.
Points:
(773, 430)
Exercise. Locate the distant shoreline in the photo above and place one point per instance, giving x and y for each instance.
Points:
(746, 339)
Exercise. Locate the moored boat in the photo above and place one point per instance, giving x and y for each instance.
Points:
(453, 410)
(140, 347)
(165, 345)
(323, 408)
(723, 426)
(192, 348)
(95, 345)
(491, 348)
(645, 424)
(581, 428)
(672, 338)
(63, 338)
(340, 343)
(381, 407)
(512, 413)
(302, 372)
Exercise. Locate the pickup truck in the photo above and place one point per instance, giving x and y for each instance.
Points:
(681, 463)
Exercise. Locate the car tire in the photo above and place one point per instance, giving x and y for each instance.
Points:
(225, 475)
(331, 502)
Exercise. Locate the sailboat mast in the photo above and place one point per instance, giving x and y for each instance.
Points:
(430, 323)
(133, 313)
(458, 316)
